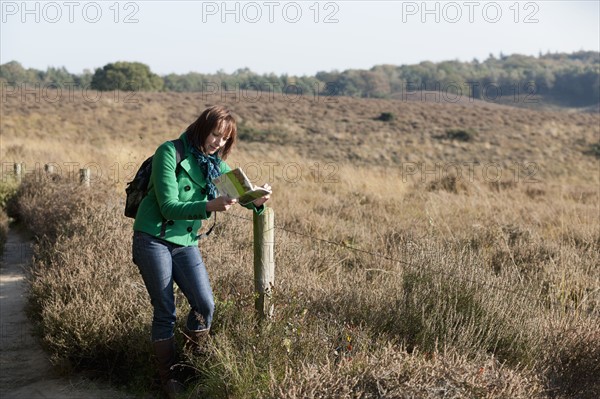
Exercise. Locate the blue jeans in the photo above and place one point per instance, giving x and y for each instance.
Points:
(161, 263)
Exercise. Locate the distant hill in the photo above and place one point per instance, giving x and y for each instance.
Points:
(361, 131)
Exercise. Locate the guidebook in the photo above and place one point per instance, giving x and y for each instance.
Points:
(235, 184)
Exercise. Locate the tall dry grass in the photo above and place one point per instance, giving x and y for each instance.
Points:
(448, 297)
(387, 284)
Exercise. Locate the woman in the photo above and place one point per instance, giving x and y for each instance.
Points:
(165, 239)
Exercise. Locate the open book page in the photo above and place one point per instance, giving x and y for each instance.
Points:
(235, 184)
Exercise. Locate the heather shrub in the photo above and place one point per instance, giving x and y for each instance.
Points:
(391, 372)
(574, 363)
(91, 308)
(436, 302)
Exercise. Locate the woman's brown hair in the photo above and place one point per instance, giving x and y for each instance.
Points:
(214, 119)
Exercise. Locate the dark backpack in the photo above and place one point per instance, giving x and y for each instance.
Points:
(138, 188)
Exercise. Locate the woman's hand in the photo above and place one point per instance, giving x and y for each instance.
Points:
(220, 204)
(262, 200)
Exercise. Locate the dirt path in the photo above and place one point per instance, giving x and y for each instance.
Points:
(25, 371)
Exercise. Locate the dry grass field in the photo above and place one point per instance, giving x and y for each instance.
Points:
(423, 249)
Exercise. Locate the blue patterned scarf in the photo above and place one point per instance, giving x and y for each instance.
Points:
(211, 166)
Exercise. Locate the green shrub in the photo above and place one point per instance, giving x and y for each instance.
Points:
(8, 188)
(3, 230)
(386, 117)
(248, 134)
(465, 135)
(593, 150)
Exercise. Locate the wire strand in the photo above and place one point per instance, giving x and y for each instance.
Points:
(374, 254)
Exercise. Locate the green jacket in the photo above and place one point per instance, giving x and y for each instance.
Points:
(176, 202)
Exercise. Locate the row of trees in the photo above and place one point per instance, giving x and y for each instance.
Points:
(567, 79)
(114, 76)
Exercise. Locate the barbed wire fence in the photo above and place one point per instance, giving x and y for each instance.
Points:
(460, 279)
(84, 180)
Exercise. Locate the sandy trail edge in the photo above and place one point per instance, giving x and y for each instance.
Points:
(25, 371)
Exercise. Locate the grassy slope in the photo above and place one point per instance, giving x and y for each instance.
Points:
(535, 243)
(333, 129)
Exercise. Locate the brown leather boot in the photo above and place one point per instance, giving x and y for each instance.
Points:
(165, 355)
(196, 341)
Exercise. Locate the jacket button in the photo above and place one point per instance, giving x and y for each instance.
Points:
(171, 223)
(187, 188)
(189, 229)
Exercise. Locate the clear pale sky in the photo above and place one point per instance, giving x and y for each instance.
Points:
(297, 38)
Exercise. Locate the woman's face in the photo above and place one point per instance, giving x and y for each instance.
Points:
(214, 142)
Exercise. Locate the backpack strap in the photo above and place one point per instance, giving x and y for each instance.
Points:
(179, 150)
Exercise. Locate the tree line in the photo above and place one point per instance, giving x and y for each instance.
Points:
(569, 79)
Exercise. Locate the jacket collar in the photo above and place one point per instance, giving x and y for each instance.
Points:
(189, 163)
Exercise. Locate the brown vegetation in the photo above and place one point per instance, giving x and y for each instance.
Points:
(447, 279)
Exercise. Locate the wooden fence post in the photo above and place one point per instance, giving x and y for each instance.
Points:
(264, 262)
(84, 177)
(18, 170)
